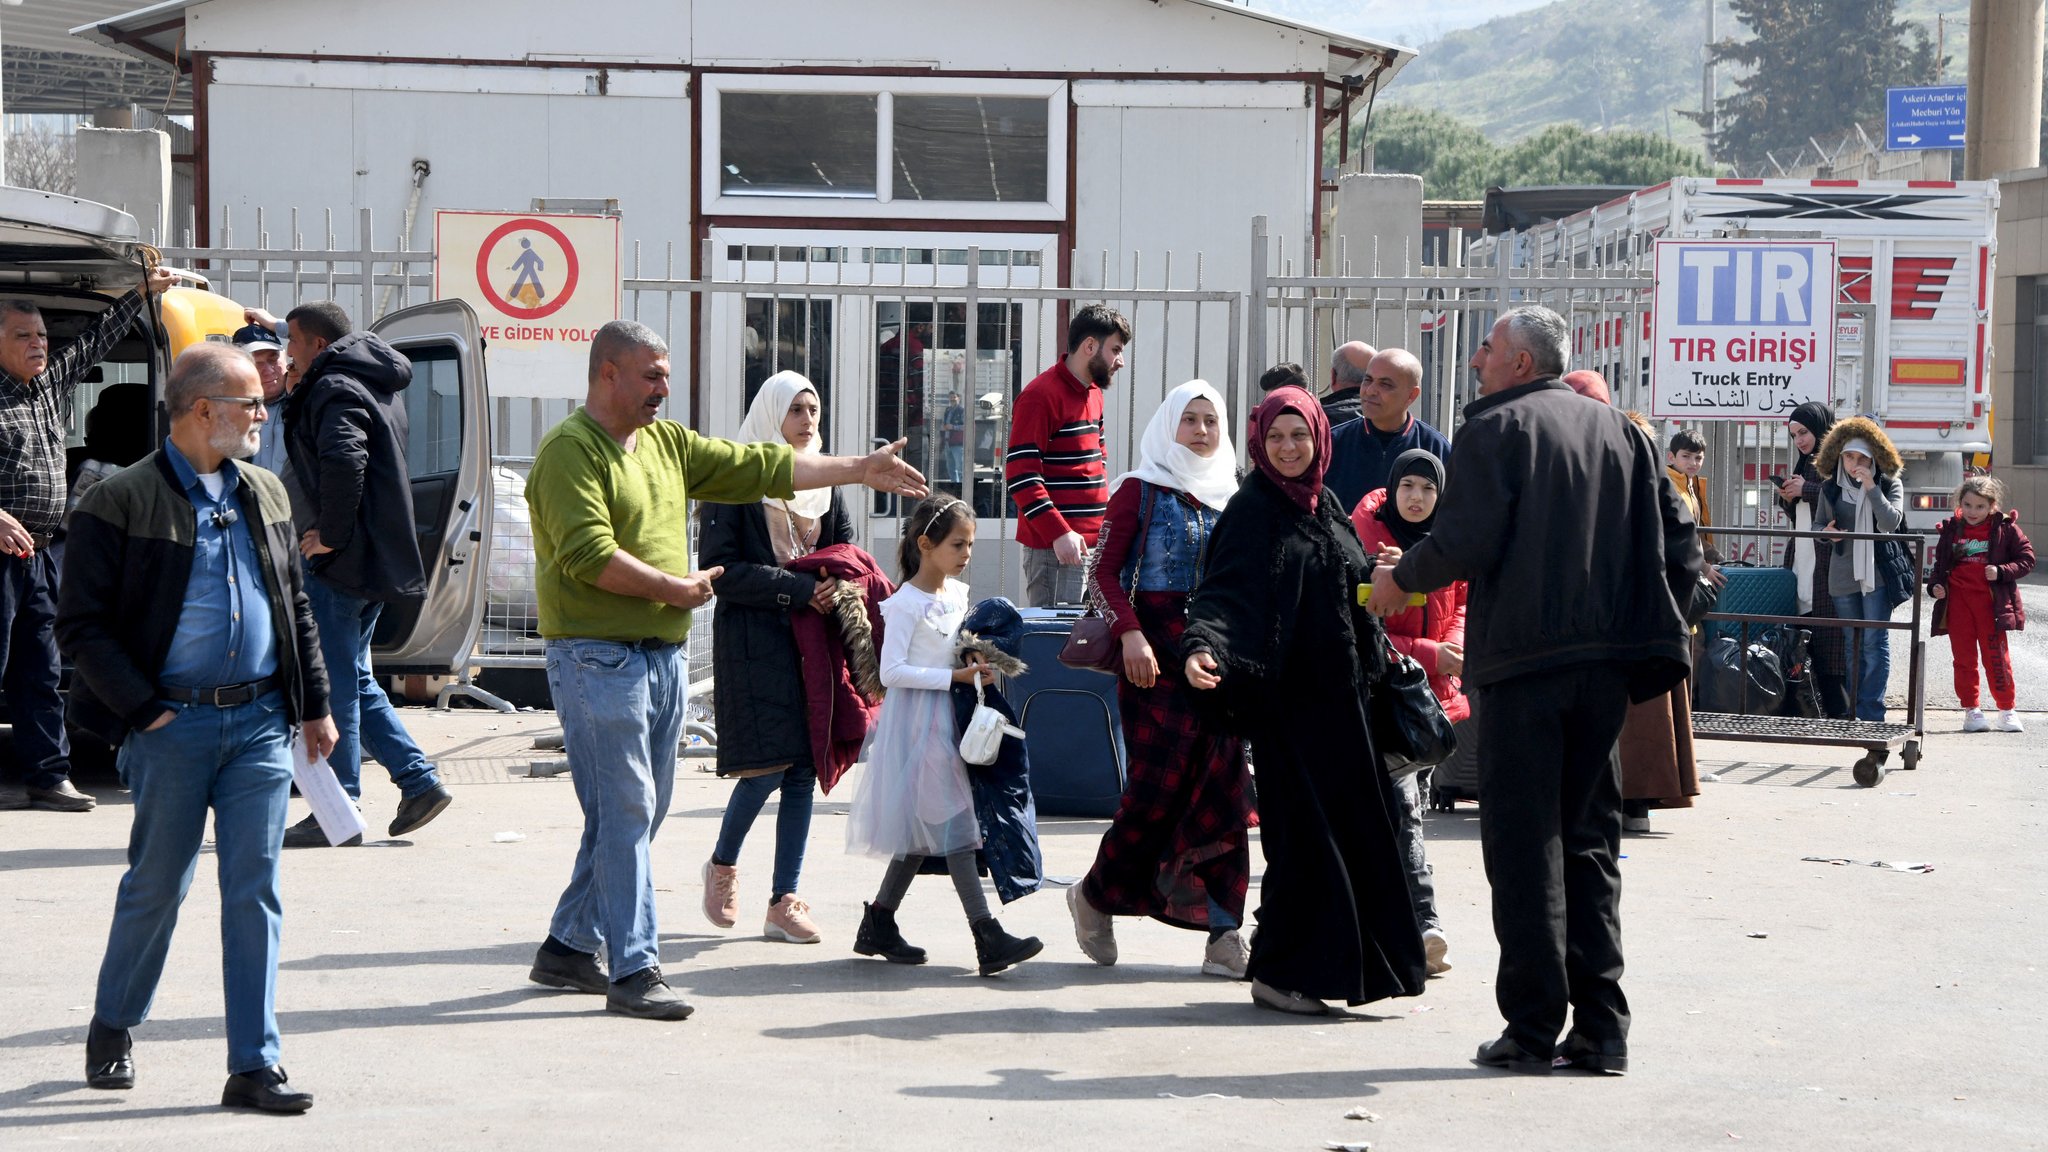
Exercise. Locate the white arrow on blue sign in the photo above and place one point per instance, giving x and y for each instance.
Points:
(1917, 119)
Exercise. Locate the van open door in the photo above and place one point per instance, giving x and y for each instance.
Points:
(448, 456)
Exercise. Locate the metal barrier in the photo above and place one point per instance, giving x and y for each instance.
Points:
(1877, 738)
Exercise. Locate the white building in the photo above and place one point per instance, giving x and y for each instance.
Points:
(1047, 133)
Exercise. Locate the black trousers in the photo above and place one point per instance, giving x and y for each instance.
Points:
(1550, 831)
(28, 652)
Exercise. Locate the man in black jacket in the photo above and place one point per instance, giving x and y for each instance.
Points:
(193, 650)
(345, 434)
(1576, 548)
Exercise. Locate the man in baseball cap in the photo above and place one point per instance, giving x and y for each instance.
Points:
(262, 343)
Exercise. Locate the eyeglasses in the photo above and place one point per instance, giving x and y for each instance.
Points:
(247, 402)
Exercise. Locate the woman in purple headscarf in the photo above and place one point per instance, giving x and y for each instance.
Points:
(1279, 650)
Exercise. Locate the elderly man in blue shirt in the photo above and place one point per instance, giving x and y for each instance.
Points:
(193, 648)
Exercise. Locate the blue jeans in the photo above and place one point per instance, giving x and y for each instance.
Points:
(954, 460)
(363, 715)
(236, 761)
(792, 822)
(28, 652)
(621, 707)
(1869, 651)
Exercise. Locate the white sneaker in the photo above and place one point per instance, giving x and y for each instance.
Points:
(1434, 946)
(2009, 721)
(1093, 931)
(1973, 721)
(1227, 956)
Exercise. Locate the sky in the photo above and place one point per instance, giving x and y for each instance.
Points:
(1403, 22)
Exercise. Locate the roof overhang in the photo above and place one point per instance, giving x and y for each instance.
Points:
(155, 34)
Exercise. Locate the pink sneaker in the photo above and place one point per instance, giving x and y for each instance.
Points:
(721, 893)
(789, 919)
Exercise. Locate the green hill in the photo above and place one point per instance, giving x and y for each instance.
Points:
(1599, 64)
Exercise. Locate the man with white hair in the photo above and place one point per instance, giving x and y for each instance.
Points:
(193, 648)
(1576, 548)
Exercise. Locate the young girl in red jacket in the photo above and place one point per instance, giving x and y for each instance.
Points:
(1978, 563)
(1389, 521)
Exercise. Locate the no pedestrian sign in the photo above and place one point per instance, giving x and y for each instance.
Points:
(540, 284)
(1742, 329)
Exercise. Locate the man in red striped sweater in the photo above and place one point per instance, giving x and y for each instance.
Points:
(1056, 472)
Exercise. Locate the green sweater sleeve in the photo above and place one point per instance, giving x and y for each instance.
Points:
(728, 472)
(571, 511)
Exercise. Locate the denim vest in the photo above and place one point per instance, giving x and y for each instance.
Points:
(1176, 538)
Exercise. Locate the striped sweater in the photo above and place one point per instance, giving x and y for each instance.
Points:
(1055, 469)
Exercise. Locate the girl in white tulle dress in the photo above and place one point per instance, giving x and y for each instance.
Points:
(913, 800)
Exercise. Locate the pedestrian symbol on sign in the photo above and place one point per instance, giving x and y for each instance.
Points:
(526, 290)
(541, 260)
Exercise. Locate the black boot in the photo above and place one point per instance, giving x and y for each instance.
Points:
(997, 949)
(879, 936)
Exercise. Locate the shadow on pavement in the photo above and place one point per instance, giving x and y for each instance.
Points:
(1054, 1021)
(31, 1105)
(467, 1010)
(1013, 1084)
(25, 859)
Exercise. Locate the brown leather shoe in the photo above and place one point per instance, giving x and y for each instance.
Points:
(62, 798)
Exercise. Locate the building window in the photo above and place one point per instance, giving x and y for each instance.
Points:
(970, 148)
(797, 144)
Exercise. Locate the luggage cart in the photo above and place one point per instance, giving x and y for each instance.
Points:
(1878, 740)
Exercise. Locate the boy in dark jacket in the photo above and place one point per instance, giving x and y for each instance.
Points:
(1978, 563)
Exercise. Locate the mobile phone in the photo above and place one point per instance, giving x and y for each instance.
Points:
(1777, 479)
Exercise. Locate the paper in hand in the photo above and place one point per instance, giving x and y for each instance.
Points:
(332, 809)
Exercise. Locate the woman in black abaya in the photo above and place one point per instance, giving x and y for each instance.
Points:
(1277, 646)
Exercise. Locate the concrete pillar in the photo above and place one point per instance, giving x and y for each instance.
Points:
(2004, 127)
(1375, 229)
(130, 170)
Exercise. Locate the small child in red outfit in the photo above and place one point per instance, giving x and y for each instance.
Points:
(1978, 562)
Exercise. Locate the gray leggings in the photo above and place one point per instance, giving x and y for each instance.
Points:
(959, 865)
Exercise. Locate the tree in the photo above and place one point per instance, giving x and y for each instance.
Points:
(1814, 68)
(1456, 162)
(41, 159)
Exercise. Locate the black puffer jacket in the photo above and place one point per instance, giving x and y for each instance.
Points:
(1575, 545)
(758, 684)
(345, 434)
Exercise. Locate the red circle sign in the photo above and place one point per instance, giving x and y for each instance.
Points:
(504, 304)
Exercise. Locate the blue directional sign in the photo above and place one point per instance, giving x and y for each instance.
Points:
(1917, 119)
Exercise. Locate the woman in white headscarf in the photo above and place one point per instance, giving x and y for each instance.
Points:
(758, 687)
(1178, 848)
(1860, 490)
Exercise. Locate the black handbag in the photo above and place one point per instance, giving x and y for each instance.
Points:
(1409, 727)
(1895, 571)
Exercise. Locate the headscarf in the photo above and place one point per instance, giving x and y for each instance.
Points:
(1589, 384)
(764, 425)
(1816, 418)
(1168, 463)
(1414, 462)
(1302, 489)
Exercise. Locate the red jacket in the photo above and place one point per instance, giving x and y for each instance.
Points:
(1418, 632)
(1055, 470)
(840, 656)
(2011, 553)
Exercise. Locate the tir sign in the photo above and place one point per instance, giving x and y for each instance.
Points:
(1746, 285)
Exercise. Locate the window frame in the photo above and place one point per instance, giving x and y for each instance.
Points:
(884, 205)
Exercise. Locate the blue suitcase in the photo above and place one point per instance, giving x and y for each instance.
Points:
(1072, 733)
(1753, 592)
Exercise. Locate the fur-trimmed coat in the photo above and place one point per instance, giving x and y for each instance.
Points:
(842, 678)
(758, 687)
(1890, 510)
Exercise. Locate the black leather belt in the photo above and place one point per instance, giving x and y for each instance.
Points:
(42, 540)
(225, 696)
(653, 644)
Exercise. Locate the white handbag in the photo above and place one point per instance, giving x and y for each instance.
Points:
(983, 740)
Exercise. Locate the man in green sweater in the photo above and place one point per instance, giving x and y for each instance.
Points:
(609, 494)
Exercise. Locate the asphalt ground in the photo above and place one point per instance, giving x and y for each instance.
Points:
(1778, 1003)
